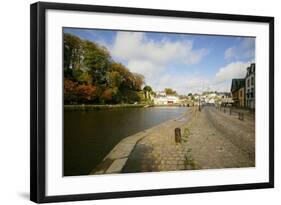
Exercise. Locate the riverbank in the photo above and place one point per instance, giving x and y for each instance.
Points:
(117, 106)
(121, 155)
(99, 107)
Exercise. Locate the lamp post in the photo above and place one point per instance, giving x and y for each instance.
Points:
(199, 104)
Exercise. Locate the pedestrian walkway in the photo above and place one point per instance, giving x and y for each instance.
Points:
(210, 140)
(218, 140)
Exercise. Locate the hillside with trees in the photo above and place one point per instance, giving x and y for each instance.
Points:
(91, 76)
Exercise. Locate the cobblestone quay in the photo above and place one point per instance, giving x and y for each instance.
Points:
(209, 139)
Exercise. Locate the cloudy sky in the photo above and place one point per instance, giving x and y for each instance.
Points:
(184, 62)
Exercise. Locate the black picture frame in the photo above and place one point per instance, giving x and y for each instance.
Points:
(38, 100)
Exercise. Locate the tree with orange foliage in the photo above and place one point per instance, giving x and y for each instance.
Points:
(92, 76)
(107, 95)
(73, 92)
(70, 91)
(86, 92)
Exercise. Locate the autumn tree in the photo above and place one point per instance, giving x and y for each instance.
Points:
(70, 91)
(91, 76)
(138, 81)
(86, 92)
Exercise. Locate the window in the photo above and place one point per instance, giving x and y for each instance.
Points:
(248, 82)
(252, 80)
(240, 93)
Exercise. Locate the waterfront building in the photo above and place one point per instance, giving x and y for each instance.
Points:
(161, 98)
(250, 86)
(238, 92)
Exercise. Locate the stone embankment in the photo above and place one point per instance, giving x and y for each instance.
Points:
(159, 139)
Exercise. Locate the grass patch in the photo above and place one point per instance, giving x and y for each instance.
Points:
(185, 135)
(189, 161)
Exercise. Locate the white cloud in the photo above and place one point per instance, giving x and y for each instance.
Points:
(151, 58)
(195, 83)
(145, 67)
(244, 50)
(248, 43)
(229, 53)
(135, 47)
(182, 83)
(232, 70)
(221, 86)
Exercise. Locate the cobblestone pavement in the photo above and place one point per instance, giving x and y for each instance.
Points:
(150, 150)
(158, 151)
(210, 139)
(220, 140)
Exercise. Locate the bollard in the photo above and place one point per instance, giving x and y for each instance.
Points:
(224, 110)
(241, 116)
(178, 135)
(229, 111)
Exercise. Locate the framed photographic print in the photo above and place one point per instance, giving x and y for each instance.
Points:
(129, 102)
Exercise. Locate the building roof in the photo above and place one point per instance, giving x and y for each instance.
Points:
(251, 69)
(237, 84)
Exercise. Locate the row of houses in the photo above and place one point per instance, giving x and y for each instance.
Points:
(216, 98)
(161, 98)
(243, 89)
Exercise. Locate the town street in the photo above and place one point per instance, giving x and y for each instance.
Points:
(220, 140)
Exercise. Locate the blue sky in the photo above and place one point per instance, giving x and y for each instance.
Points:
(184, 62)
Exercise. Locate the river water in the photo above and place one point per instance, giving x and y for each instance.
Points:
(90, 135)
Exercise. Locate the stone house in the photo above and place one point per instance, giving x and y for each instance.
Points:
(250, 86)
(238, 92)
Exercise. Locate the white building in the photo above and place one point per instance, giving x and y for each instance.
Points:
(162, 99)
(211, 101)
(171, 99)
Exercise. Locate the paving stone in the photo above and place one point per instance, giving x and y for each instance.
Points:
(158, 150)
(116, 166)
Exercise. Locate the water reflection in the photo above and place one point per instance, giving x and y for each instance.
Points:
(90, 135)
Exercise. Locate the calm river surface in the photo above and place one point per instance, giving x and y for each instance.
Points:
(90, 135)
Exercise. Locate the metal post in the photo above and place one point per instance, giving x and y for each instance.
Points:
(199, 108)
(178, 135)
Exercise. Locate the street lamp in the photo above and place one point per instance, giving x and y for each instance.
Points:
(199, 107)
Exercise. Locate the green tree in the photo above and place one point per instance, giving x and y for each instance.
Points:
(84, 77)
(72, 52)
(91, 76)
(96, 60)
(114, 79)
(170, 91)
(147, 91)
